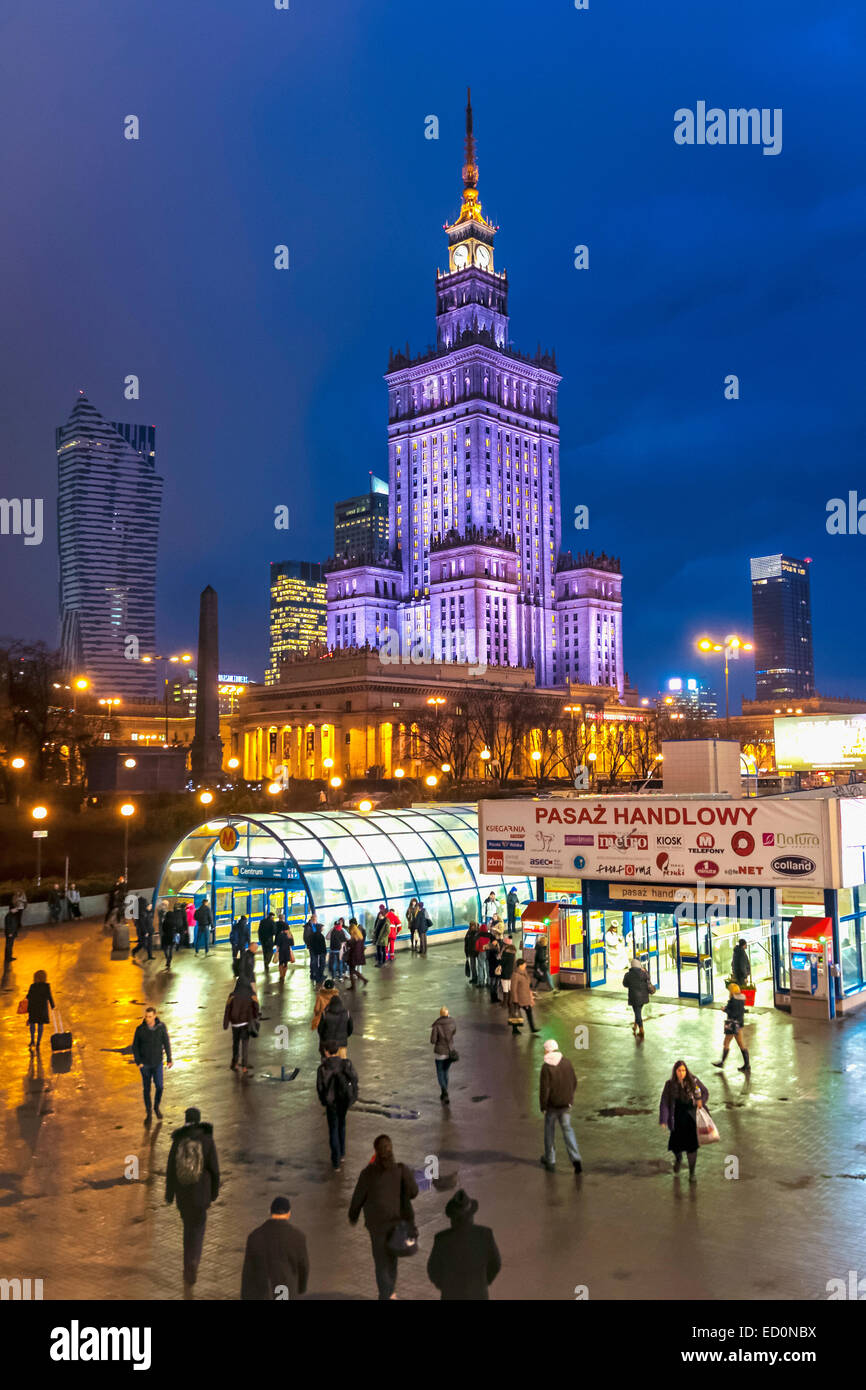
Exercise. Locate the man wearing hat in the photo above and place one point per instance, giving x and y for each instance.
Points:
(557, 1085)
(464, 1260)
(192, 1179)
(276, 1264)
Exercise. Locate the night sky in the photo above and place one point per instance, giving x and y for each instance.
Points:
(306, 127)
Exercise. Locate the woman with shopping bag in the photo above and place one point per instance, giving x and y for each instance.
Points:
(683, 1098)
(735, 1018)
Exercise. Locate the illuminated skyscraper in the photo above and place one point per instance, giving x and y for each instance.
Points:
(361, 524)
(108, 529)
(473, 565)
(782, 620)
(298, 610)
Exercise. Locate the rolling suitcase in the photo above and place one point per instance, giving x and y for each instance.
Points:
(60, 1041)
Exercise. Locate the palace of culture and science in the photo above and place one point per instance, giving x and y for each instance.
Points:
(473, 570)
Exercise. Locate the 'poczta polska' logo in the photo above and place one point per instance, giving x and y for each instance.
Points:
(797, 865)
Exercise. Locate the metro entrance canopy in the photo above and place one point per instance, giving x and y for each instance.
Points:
(340, 863)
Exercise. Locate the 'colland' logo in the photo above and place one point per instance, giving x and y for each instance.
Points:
(794, 864)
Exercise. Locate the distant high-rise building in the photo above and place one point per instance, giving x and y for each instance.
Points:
(298, 610)
(688, 695)
(361, 524)
(108, 529)
(782, 621)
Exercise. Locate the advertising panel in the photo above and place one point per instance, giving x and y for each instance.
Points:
(777, 842)
(830, 743)
(852, 813)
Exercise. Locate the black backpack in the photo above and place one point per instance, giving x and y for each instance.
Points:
(339, 1089)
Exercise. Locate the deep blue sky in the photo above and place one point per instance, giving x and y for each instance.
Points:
(307, 127)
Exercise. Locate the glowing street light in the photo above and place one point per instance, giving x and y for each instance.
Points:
(18, 763)
(446, 767)
(336, 782)
(129, 762)
(365, 805)
(437, 700)
(205, 798)
(431, 780)
(732, 646)
(234, 763)
(535, 755)
(39, 813)
(126, 810)
(399, 772)
(327, 763)
(274, 788)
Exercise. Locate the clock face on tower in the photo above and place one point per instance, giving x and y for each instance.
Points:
(482, 257)
(460, 258)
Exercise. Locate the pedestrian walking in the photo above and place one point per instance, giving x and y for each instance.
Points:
(557, 1084)
(192, 1180)
(267, 932)
(166, 936)
(55, 903)
(241, 1012)
(335, 1023)
(73, 902)
(639, 986)
(489, 909)
(189, 913)
(682, 1097)
(541, 963)
(735, 1018)
(423, 924)
(114, 902)
(384, 1192)
(444, 1052)
(276, 1263)
(482, 941)
(203, 924)
(494, 955)
(247, 970)
(318, 954)
(521, 997)
(39, 999)
(410, 921)
(310, 926)
(145, 920)
(512, 902)
(325, 993)
(149, 1042)
(393, 929)
(356, 956)
(336, 938)
(507, 962)
(337, 1089)
(741, 966)
(464, 1260)
(12, 924)
(285, 953)
(470, 969)
(381, 928)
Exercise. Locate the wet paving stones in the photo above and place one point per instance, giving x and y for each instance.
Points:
(794, 1131)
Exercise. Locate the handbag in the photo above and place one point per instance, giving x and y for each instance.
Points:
(466, 971)
(454, 1055)
(22, 1006)
(707, 1132)
(402, 1239)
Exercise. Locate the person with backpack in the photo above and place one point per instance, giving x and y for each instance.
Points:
(384, 1192)
(276, 1263)
(267, 932)
(336, 937)
(241, 1012)
(422, 926)
(442, 1039)
(192, 1180)
(203, 924)
(149, 1041)
(464, 1260)
(337, 1089)
(335, 1024)
(557, 1084)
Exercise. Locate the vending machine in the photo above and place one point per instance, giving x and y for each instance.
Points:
(537, 919)
(810, 941)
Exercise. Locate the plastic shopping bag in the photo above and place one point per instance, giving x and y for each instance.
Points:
(707, 1132)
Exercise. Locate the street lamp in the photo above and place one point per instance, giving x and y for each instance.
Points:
(365, 805)
(732, 646)
(79, 685)
(274, 788)
(186, 656)
(336, 782)
(126, 810)
(234, 763)
(485, 758)
(446, 767)
(39, 813)
(205, 798)
(399, 772)
(129, 762)
(436, 700)
(431, 780)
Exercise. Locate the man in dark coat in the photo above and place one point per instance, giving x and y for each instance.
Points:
(310, 926)
(203, 923)
(149, 1042)
(276, 1264)
(192, 1179)
(337, 1089)
(557, 1084)
(422, 926)
(335, 1025)
(741, 966)
(637, 982)
(384, 1192)
(512, 902)
(318, 952)
(267, 932)
(469, 941)
(465, 1260)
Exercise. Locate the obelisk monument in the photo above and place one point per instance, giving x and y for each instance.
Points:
(206, 756)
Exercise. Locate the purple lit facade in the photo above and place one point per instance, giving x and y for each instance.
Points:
(475, 570)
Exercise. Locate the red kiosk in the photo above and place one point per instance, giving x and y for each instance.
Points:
(810, 941)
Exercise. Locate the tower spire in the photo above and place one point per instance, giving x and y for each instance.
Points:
(470, 168)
